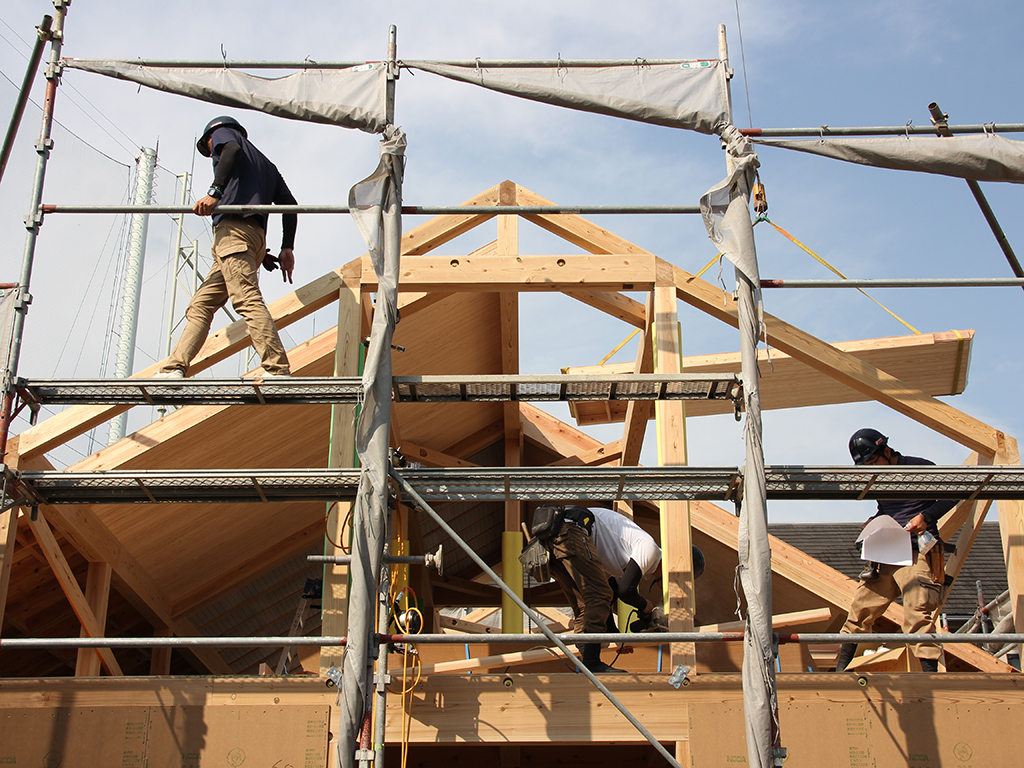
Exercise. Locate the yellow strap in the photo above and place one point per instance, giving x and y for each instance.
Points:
(836, 271)
(708, 265)
(625, 341)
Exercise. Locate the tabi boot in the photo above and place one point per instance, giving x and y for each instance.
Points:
(846, 653)
(591, 658)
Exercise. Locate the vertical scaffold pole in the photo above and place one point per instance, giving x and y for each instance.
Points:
(759, 695)
(34, 218)
(43, 34)
(137, 232)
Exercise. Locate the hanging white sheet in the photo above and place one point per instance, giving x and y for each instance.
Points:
(978, 157)
(685, 94)
(353, 97)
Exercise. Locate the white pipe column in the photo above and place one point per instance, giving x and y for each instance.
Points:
(137, 232)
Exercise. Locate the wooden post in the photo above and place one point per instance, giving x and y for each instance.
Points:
(1011, 529)
(511, 537)
(8, 535)
(97, 593)
(342, 454)
(160, 658)
(676, 552)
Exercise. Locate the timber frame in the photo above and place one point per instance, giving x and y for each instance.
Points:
(460, 317)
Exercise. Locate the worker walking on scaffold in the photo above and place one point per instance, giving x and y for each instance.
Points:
(242, 176)
(920, 583)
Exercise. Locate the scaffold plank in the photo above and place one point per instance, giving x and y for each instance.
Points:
(407, 389)
(517, 483)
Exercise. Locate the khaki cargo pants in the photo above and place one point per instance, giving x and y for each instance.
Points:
(920, 599)
(239, 246)
(578, 571)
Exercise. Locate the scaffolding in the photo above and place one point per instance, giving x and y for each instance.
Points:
(747, 486)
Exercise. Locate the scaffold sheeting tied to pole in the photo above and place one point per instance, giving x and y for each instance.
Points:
(376, 202)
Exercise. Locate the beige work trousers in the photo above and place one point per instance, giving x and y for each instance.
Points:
(239, 246)
(920, 599)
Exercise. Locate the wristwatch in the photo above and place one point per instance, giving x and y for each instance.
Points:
(215, 191)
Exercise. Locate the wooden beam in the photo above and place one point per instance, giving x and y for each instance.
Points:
(449, 625)
(160, 658)
(779, 621)
(554, 272)
(490, 662)
(69, 584)
(552, 433)
(676, 538)
(508, 306)
(334, 613)
(97, 595)
(8, 543)
(432, 458)
(639, 411)
(877, 384)
(609, 453)
(1011, 529)
(615, 304)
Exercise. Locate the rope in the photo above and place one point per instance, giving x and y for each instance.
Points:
(835, 271)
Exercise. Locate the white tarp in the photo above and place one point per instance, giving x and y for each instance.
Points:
(726, 207)
(978, 157)
(689, 94)
(376, 204)
(353, 97)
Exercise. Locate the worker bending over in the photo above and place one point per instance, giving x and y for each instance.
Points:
(242, 176)
(919, 583)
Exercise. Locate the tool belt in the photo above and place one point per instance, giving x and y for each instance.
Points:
(937, 562)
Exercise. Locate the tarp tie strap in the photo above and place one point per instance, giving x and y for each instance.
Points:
(824, 263)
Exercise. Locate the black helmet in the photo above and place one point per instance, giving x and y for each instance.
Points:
(865, 443)
(213, 125)
(698, 562)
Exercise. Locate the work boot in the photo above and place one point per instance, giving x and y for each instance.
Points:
(929, 665)
(174, 373)
(591, 658)
(846, 653)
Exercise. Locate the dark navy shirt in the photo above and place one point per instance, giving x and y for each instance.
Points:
(905, 510)
(256, 180)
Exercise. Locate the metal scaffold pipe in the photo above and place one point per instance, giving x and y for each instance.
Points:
(42, 36)
(407, 210)
(33, 220)
(908, 282)
(633, 638)
(824, 131)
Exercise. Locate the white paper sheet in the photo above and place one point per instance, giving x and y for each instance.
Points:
(886, 541)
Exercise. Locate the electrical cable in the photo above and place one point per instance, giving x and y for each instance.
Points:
(743, 62)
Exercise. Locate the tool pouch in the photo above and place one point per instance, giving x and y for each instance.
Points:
(547, 521)
(937, 562)
(580, 516)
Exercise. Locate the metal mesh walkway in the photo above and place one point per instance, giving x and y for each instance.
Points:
(527, 483)
(407, 389)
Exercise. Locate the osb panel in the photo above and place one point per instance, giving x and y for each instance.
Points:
(170, 737)
(962, 731)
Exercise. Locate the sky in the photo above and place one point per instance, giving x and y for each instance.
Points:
(797, 64)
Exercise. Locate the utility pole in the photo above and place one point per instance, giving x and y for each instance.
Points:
(146, 164)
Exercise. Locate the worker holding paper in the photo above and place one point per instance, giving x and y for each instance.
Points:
(900, 541)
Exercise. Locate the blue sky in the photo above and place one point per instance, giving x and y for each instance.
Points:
(803, 64)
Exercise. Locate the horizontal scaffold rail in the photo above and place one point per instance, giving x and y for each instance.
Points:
(408, 210)
(256, 486)
(634, 638)
(406, 389)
